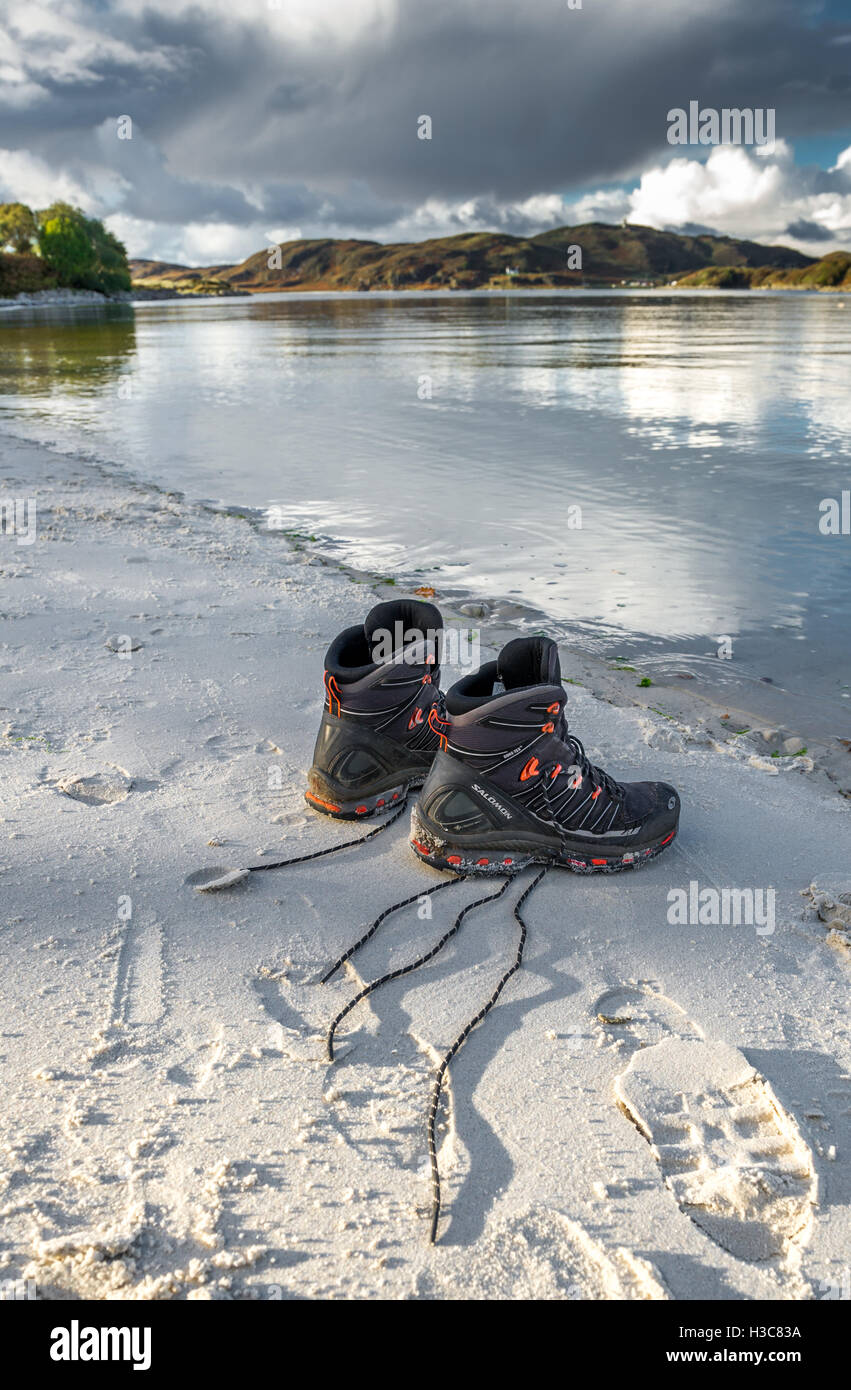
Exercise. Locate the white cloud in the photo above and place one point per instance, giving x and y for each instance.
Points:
(749, 193)
(195, 243)
(24, 178)
(63, 45)
(281, 235)
(844, 159)
(208, 243)
(438, 217)
(18, 89)
(608, 205)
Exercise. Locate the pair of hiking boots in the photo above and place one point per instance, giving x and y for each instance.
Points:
(504, 783)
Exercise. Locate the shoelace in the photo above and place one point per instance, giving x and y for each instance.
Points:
(440, 1073)
(598, 776)
(403, 969)
(331, 849)
(440, 707)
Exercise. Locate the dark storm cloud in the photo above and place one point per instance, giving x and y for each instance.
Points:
(240, 119)
(692, 229)
(804, 230)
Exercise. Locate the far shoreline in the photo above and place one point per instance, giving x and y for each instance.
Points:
(83, 299)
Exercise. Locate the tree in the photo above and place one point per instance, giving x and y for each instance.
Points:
(18, 228)
(81, 251)
(66, 245)
(111, 258)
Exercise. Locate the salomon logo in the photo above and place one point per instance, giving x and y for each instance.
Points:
(492, 801)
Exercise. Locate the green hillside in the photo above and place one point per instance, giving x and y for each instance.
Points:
(832, 272)
(610, 255)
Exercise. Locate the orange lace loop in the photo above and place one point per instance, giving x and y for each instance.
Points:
(332, 690)
(433, 720)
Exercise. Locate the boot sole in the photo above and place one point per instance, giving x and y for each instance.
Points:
(433, 848)
(339, 804)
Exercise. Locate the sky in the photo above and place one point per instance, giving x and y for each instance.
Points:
(268, 120)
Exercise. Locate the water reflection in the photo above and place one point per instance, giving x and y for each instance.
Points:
(48, 352)
(450, 435)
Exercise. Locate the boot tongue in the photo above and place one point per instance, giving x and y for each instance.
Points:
(529, 661)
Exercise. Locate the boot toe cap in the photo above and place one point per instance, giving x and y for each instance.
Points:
(666, 813)
(656, 805)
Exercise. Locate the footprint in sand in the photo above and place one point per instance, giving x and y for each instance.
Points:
(639, 1015)
(730, 1154)
(101, 789)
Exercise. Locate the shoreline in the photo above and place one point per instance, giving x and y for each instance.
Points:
(173, 1128)
(761, 730)
(71, 299)
(67, 298)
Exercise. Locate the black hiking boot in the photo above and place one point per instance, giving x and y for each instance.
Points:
(381, 685)
(512, 787)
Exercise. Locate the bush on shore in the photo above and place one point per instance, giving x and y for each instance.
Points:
(24, 274)
(58, 246)
(18, 228)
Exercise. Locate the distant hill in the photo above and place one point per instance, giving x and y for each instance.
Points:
(610, 255)
(632, 252)
(181, 279)
(832, 272)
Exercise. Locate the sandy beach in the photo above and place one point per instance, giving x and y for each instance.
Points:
(654, 1110)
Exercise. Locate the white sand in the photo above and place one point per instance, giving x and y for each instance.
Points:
(169, 1125)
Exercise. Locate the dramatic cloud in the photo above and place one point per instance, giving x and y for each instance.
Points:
(757, 193)
(303, 114)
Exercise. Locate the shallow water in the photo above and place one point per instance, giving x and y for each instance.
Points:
(454, 437)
